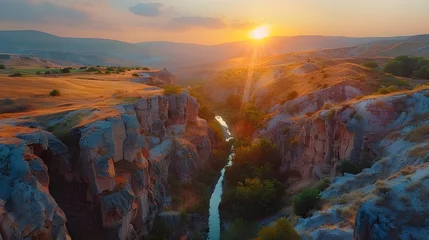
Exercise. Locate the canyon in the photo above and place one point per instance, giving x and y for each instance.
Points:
(111, 169)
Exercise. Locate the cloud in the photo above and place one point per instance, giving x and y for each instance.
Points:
(149, 9)
(183, 23)
(40, 12)
(240, 25)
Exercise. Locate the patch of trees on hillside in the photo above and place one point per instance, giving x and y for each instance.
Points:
(406, 66)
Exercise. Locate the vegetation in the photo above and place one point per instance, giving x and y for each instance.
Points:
(349, 167)
(406, 66)
(387, 90)
(280, 230)
(241, 230)
(65, 70)
(371, 64)
(253, 115)
(17, 74)
(161, 230)
(134, 74)
(172, 89)
(305, 201)
(252, 184)
(2, 66)
(91, 69)
(55, 93)
(47, 72)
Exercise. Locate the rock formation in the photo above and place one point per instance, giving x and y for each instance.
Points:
(385, 201)
(122, 156)
(27, 210)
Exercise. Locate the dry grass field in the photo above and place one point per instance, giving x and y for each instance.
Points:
(30, 95)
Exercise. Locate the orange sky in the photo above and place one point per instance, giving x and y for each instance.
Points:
(214, 21)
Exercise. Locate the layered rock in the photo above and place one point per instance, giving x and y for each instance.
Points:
(382, 201)
(120, 156)
(126, 158)
(27, 209)
(314, 144)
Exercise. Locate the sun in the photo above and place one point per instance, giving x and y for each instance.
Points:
(260, 32)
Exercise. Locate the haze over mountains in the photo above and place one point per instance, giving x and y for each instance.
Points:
(175, 55)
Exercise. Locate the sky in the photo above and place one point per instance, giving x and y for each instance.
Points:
(214, 21)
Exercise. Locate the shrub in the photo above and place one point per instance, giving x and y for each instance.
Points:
(240, 230)
(394, 67)
(92, 69)
(17, 74)
(145, 68)
(2, 66)
(292, 95)
(135, 74)
(261, 196)
(323, 184)
(280, 230)
(47, 72)
(306, 201)
(55, 93)
(38, 73)
(65, 70)
(371, 64)
(172, 89)
(387, 90)
(349, 167)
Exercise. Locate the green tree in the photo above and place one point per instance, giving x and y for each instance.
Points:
(240, 230)
(394, 67)
(2, 66)
(65, 70)
(371, 64)
(422, 73)
(256, 198)
(306, 201)
(280, 230)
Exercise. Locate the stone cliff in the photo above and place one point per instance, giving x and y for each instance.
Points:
(386, 200)
(113, 168)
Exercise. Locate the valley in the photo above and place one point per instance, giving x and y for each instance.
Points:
(316, 141)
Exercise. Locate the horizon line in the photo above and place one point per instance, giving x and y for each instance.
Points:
(202, 44)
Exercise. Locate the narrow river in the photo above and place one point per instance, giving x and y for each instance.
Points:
(214, 217)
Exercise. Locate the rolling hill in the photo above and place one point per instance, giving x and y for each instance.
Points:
(159, 54)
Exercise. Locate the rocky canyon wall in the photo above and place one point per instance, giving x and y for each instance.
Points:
(115, 164)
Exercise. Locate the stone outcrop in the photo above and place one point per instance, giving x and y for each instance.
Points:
(126, 158)
(121, 157)
(314, 144)
(27, 210)
(385, 201)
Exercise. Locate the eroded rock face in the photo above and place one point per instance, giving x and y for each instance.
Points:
(27, 209)
(314, 145)
(122, 161)
(126, 159)
(385, 201)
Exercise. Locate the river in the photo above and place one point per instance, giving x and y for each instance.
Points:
(215, 199)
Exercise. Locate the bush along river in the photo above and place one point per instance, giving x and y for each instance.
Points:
(215, 199)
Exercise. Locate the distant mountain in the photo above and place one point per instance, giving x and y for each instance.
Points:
(160, 54)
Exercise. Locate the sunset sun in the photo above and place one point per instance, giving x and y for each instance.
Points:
(260, 32)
